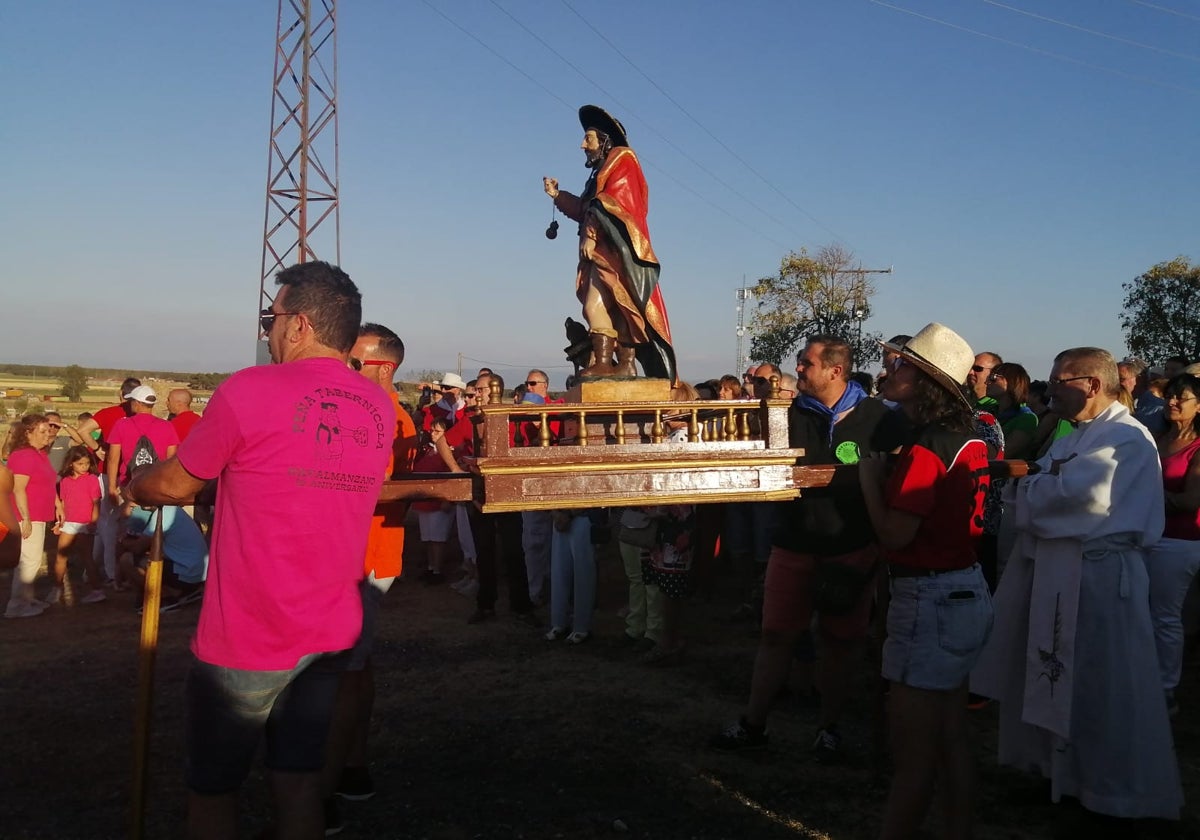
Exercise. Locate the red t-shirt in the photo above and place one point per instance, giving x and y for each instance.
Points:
(106, 418)
(183, 422)
(942, 478)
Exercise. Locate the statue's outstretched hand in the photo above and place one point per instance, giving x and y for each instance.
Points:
(550, 185)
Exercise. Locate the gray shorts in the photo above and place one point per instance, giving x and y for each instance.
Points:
(936, 628)
(229, 711)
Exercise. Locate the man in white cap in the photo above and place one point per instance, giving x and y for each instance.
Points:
(138, 440)
(1072, 659)
(451, 406)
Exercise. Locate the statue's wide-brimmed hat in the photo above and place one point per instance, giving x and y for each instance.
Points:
(940, 352)
(593, 116)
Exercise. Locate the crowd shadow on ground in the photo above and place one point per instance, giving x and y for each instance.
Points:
(489, 731)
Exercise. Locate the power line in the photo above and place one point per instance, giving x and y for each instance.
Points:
(1166, 10)
(1095, 32)
(572, 108)
(481, 43)
(701, 126)
(629, 110)
(1038, 50)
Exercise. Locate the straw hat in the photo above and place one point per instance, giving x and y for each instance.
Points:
(942, 353)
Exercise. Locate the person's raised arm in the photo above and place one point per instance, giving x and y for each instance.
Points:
(111, 464)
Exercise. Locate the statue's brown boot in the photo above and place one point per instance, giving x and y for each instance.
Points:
(602, 351)
(626, 365)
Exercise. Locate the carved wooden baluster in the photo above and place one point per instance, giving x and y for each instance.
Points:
(775, 380)
(581, 438)
(497, 393)
(620, 426)
(744, 425)
(656, 431)
(544, 430)
(694, 427)
(730, 428)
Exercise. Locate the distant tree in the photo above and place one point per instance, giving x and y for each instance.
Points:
(1161, 315)
(827, 293)
(73, 380)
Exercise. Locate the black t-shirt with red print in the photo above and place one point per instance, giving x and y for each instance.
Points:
(942, 477)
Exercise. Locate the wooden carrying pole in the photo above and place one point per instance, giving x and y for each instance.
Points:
(147, 649)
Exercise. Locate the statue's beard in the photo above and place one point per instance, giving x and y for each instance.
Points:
(592, 160)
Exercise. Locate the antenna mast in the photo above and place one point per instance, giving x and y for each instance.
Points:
(302, 188)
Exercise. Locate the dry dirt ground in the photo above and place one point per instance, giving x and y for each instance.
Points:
(490, 732)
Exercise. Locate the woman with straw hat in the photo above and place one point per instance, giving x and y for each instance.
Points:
(927, 511)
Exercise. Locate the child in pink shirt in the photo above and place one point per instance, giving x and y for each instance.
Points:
(79, 499)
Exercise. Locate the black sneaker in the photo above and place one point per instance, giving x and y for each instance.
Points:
(333, 817)
(827, 746)
(740, 737)
(355, 784)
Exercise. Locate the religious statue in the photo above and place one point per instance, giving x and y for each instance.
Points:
(617, 277)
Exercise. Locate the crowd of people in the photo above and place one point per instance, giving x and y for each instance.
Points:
(1031, 542)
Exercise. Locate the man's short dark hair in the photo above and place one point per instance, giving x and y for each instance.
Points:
(1182, 361)
(128, 385)
(834, 351)
(387, 343)
(328, 298)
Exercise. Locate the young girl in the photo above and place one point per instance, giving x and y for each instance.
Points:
(79, 497)
(435, 518)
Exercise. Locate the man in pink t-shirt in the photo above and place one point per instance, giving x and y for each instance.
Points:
(301, 448)
(125, 449)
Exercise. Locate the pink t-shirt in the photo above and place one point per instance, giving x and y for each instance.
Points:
(79, 493)
(128, 431)
(302, 450)
(1180, 525)
(40, 490)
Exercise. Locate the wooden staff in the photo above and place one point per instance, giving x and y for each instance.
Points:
(147, 649)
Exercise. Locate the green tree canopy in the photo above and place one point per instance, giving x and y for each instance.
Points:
(73, 380)
(828, 293)
(1161, 316)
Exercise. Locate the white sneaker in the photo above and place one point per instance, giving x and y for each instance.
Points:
(55, 595)
(22, 609)
(94, 597)
(470, 589)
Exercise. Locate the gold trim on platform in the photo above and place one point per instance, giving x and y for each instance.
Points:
(572, 502)
(673, 465)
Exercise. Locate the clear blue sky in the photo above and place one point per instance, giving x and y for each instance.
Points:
(1014, 184)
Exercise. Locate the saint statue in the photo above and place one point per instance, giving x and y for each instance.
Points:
(617, 278)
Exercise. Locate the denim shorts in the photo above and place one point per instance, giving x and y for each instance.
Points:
(229, 710)
(936, 628)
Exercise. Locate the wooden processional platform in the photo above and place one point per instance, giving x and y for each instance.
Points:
(736, 451)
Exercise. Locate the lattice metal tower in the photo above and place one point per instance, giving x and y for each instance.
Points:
(302, 157)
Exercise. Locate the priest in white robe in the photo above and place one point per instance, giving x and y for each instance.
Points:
(1072, 658)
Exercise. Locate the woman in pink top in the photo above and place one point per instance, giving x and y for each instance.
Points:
(36, 503)
(1174, 560)
(79, 493)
